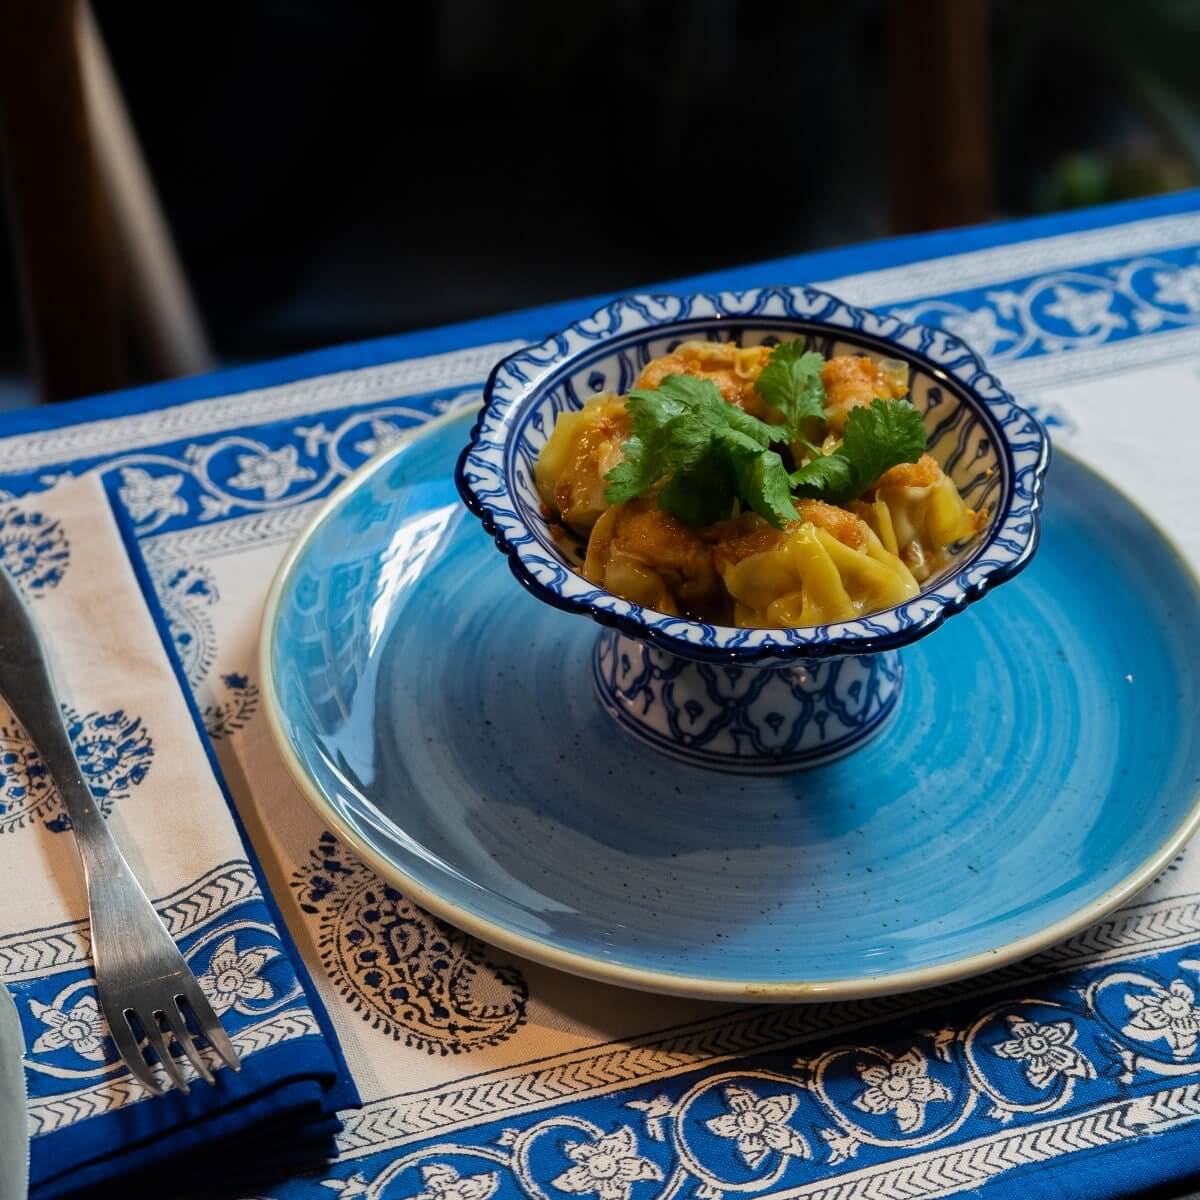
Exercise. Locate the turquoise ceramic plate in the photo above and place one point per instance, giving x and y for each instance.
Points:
(1043, 764)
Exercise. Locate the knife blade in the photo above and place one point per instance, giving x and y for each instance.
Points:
(14, 1124)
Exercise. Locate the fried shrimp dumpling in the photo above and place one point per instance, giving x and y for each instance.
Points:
(584, 446)
(715, 517)
(853, 380)
(650, 557)
(732, 369)
(917, 513)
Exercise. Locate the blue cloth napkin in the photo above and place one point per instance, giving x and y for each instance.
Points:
(138, 737)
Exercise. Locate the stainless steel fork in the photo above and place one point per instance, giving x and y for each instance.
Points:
(140, 974)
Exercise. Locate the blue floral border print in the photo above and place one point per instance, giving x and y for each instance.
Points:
(1012, 1081)
(1074, 309)
(223, 928)
(207, 478)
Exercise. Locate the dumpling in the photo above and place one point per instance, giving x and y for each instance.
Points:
(917, 512)
(731, 368)
(829, 566)
(854, 380)
(584, 446)
(652, 558)
(831, 563)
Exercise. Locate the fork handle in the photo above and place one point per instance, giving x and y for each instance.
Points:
(27, 686)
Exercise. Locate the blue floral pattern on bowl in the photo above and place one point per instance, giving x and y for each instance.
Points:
(745, 719)
(995, 451)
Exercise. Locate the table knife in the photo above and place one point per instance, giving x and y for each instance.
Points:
(14, 1123)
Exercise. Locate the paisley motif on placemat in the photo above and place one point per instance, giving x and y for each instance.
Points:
(408, 973)
(33, 549)
(186, 594)
(114, 750)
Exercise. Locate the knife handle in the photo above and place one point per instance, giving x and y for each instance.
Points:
(27, 686)
(14, 1131)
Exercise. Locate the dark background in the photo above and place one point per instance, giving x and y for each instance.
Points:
(340, 171)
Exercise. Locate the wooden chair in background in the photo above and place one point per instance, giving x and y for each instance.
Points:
(941, 113)
(101, 283)
(103, 288)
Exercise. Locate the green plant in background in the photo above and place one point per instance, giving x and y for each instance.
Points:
(1096, 177)
(1100, 98)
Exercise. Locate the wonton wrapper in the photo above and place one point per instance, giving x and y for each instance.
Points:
(919, 519)
(583, 447)
(812, 578)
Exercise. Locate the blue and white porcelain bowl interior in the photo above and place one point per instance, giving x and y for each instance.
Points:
(993, 449)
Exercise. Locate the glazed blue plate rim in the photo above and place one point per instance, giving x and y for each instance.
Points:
(667, 982)
(483, 471)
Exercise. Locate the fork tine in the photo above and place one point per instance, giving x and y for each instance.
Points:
(210, 1025)
(129, 1050)
(183, 1036)
(155, 1036)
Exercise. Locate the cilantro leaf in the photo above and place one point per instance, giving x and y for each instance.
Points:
(762, 481)
(791, 383)
(699, 496)
(678, 392)
(646, 453)
(706, 449)
(706, 453)
(827, 475)
(637, 471)
(880, 437)
(876, 438)
(752, 427)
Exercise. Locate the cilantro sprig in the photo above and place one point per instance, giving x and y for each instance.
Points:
(876, 438)
(791, 383)
(709, 451)
(705, 454)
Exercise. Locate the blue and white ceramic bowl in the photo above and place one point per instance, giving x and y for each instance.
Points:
(662, 676)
